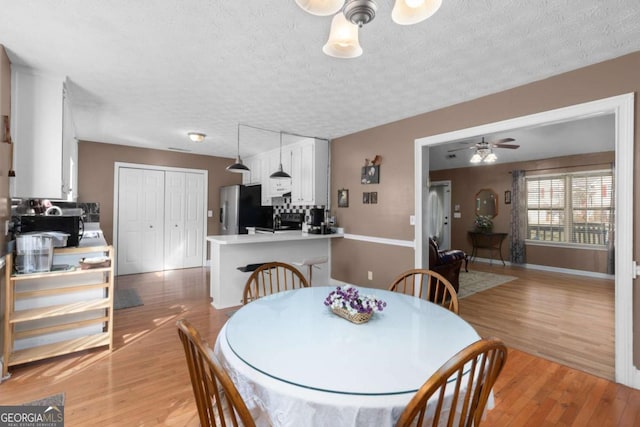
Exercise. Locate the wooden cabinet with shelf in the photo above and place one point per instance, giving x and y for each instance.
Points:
(68, 318)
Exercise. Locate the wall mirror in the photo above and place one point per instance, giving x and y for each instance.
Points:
(487, 203)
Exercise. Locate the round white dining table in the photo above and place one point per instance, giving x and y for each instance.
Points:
(295, 363)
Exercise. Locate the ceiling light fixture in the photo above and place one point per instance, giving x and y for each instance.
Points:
(343, 38)
(280, 174)
(196, 136)
(484, 155)
(238, 166)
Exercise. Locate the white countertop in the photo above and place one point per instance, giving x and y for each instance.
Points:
(240, 239)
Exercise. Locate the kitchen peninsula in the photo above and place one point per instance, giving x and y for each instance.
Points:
(229, 252)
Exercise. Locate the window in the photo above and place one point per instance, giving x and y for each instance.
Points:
(574, 208)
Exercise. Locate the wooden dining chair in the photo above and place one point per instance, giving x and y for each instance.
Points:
(217, 399)
(271, 278)
(429, 285)
(467, 378)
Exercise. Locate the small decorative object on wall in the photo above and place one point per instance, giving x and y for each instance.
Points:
(507, 197)
(373, 197)
(365, 198)
(371, 171)
(343, 198)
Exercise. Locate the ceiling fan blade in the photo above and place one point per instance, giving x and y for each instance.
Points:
(505, 146)
(461, 148)
(502, 141)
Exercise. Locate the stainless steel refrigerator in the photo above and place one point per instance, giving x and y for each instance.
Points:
(240, 207)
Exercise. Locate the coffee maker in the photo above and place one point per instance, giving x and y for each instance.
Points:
(317, 223)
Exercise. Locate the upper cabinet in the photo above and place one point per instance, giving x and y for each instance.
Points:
(307, 163)
(45, 150)
(309, 167)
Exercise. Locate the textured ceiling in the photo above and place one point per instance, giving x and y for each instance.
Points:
(146, 72)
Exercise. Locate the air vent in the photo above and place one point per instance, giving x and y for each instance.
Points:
(451, 156)
(179, 149)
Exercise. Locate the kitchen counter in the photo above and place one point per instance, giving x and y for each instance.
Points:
(237, 239)
(229, 252)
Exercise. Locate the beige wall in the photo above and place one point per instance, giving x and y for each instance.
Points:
(95, 176)
(466, 182)
(395, 142)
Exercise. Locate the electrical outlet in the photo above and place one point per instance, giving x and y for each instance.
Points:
(210, 214)
(370, 275)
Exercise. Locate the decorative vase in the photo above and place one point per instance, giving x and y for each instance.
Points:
(356, 318)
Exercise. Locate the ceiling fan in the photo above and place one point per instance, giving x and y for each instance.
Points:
(484, 149)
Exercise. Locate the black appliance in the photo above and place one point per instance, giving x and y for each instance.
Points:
(317, 217)
(70, 224)
(241, 207)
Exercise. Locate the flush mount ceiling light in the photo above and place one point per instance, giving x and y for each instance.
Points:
(343, 38)
(238, 166)
(196, 136)
(280, 174)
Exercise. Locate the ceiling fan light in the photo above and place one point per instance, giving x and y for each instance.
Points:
(320, 7)
(409, 12)
(476, 158)
(343, 39)
(490, 158)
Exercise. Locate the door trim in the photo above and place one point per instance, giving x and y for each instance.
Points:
(116, 184)
(623, 108)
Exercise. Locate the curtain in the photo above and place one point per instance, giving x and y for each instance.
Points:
(518, 216)
(611, 261)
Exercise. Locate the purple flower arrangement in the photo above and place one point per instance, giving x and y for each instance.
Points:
(349, 298)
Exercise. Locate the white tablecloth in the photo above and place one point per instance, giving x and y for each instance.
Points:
(297, 364)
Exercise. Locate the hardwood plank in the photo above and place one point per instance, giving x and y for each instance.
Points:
(144, 381)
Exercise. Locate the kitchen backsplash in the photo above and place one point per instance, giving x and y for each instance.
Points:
(90, 211)
(286, 207)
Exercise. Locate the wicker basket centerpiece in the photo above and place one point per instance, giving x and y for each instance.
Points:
(347, 303)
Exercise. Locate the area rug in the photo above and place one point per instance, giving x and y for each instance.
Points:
(478, 281)
(125, 298)
(53, 400)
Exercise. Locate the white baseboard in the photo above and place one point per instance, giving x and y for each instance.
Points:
(550, 269)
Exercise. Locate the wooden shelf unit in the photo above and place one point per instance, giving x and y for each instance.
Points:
(102, 307)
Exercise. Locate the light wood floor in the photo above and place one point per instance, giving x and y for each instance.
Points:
(144, 381)
(564, 318)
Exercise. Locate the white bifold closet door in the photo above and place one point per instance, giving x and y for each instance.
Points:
(184, 211)
(160, 220)
(140, 221)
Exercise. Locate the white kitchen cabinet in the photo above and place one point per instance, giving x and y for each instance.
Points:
(309, 169)
(45, 155)
(254, 176)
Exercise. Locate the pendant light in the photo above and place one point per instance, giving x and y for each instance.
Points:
(280, 174)
(238, 166)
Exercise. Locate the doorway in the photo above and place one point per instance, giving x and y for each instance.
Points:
(623, 108)
(439, 206)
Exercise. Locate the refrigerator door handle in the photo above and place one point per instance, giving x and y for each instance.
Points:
(223, 215)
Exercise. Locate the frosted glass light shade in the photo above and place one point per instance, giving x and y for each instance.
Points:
(343, 39)
(321, 7)
(490, 158)
(476, 158)
(409, 12)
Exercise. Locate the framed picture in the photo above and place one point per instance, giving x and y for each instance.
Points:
(370, 174)
(343, 198)
(373, 197)
(507, 197)
(365, 198)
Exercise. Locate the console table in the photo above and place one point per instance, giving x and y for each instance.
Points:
(487, 240)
